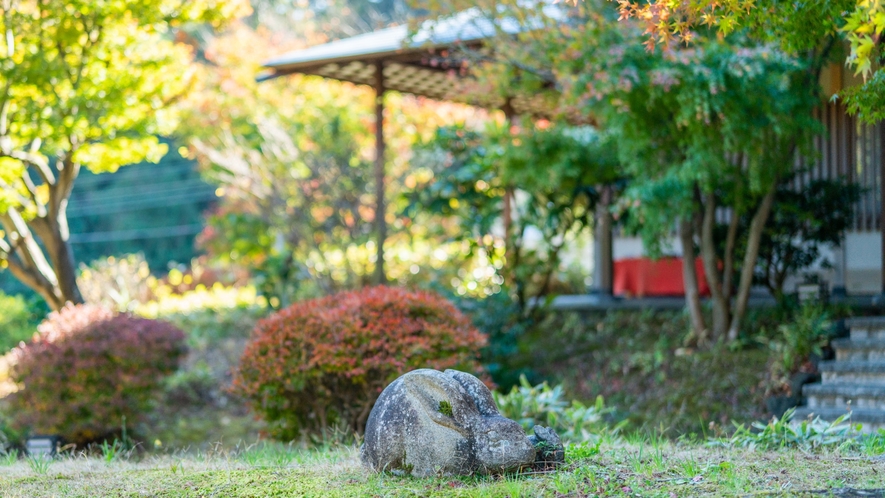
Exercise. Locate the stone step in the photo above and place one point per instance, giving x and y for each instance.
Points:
(872, 420)
(853, 372)
(867, 327)
(859, 349)
(844, 396)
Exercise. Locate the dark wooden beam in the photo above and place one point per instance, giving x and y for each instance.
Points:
(380, 205)
(603, 254)
(507, 213)
(882, 198)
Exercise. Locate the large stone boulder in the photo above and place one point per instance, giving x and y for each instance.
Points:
(429, 422)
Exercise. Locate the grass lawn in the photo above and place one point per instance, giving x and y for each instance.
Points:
(643, 467)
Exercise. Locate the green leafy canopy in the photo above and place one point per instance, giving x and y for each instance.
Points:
(82, 84)
(94, 79)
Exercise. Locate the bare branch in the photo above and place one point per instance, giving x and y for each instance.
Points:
(59, 193)
(33, 160)
(4, 109)
(19, 264)
(35, 281)
(26, 246)
(730, 242)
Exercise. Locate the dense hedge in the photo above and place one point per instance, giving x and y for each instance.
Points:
(87, 369)
(322, 363)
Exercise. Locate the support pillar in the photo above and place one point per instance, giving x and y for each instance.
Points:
(380, 205)
(507, 209)
(882, 198)
(603, 263)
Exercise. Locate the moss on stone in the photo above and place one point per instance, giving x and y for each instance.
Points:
(445, 408)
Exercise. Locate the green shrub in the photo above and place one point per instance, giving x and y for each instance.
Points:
(544, 405)
(207, 326)
(18, 321)
(784, 432)
(89, 371)
(321, 364)
(804, 334)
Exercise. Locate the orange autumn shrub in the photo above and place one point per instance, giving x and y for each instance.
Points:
(88, 369)
(321, 364)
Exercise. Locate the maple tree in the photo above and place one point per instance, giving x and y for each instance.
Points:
(807, 29)
(700, 129)
(83, 84)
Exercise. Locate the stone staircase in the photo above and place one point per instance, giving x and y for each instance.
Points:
(854, 381)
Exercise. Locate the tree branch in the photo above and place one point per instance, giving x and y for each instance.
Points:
(728, 266)
(34, 160)
(755, 235)
(24, 265)
(26, 247)
(61, 191)
(700, 334)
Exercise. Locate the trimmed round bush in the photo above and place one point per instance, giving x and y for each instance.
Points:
(321, 364)
(88, 369)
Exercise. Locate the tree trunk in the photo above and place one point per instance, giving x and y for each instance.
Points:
(26, 260)
(710, 259)
(66, 272)
(38, 252)
(62, 257)
(753, 240)
(700, 334)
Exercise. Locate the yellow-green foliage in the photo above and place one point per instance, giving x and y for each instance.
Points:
(217, 297)
(17, 321)
(116, 282)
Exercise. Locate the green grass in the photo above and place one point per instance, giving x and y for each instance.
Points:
(640, 467)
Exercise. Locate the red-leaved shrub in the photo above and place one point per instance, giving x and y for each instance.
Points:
(322, 363)
(87, 369)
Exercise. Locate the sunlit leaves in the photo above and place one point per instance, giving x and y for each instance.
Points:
(864, 27)
(554, 170)
(84, 83)
(87, 72)
(11, 187)
(108, 156)
(797, 27)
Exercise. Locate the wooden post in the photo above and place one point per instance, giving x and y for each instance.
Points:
(882, 198)
(603, 264)
(380, 206)
(507, 214)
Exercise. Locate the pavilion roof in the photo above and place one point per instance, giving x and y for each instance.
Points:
(423, 63)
